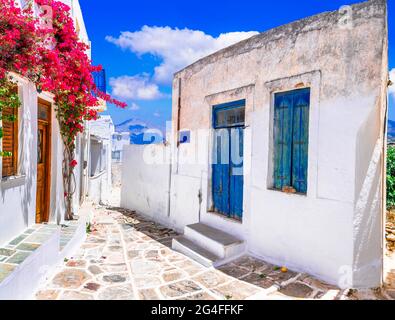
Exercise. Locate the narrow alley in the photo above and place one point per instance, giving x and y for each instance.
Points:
(126, 257)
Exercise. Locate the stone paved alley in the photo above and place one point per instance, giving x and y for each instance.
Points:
(128, 257)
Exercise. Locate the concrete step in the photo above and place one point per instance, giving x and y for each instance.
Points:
(195, 252)
(219, 243)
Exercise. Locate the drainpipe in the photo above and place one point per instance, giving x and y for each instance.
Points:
(179, 112)
(178, 143)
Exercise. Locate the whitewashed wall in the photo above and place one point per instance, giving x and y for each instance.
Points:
(145, 184)
(18, 196)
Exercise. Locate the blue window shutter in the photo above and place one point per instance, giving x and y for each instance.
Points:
(301, 102)
(282, 140)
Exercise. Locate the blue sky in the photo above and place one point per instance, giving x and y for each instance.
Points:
(139, 62)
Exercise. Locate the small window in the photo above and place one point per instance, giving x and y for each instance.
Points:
(291, 131)
(10, 142)
(229, 114)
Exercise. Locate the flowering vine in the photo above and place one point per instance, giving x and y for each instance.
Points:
(52, 56)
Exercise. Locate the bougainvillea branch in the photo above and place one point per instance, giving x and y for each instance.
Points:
(53, 57)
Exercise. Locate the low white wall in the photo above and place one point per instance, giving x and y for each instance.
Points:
(145, 185)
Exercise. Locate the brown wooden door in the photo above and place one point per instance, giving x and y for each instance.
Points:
(43, 165)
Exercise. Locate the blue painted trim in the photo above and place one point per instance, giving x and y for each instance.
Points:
(227, 106)
(230, 105)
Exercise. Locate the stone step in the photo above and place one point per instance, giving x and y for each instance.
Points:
(195, 252)
(219, 243)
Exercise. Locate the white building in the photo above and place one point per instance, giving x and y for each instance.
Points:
(101, 132)
(119, 140)
(31, 189)
(296, 115)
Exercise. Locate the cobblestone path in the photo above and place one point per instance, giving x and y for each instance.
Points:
(128, 257)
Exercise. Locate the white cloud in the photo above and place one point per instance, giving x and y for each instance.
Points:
(137, 87)
(156, 114)
(176, 47)
(134, 106)
(391, 89)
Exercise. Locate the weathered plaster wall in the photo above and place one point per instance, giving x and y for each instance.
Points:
(333, 232)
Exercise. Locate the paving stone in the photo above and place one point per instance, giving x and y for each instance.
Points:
(152, 255)
(115, 248)
(133, 254)
(18, 239)
(76, 263)
(95, 240)
(120, 267)
(297, 290)
(29, 231)
(260, 280)
(124, 292)
(115, 259)
(235, 290)
(148, 294)
(179, 288)
(18, 257)
(47, 294)
(28, 246)
(234, 271)
(252, 264)
(211, 279)
(198, 296)
(92, 286)
(38, 237)
(174, 275)
(114, 278)
(280, 277)
(75, 295)
(279, 296)
(6, 252)
(147, 281)
(5, 270)
(314, 283)
(70, 278)
(95, 269)
(145, 267)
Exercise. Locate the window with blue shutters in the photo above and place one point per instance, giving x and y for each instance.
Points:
(291, 135)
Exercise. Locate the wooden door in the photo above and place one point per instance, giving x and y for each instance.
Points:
(228, 175)
(43, 163)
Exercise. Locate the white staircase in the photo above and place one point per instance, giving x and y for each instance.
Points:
(208, 246)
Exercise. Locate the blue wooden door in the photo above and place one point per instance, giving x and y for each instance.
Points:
(221, 170)
(237, 173)
(228, 175)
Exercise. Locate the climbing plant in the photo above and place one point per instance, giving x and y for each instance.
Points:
(48, 51)
(391, 178)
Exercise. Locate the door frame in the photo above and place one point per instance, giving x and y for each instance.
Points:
(214, 109)
(48, 123)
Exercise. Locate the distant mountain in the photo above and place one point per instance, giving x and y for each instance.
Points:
(140, 131)
(391, 130)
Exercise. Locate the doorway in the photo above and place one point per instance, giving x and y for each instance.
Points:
(227, 168)
(43, 160)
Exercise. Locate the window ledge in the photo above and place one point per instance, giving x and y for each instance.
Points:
(12, 182)
(288, 193)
